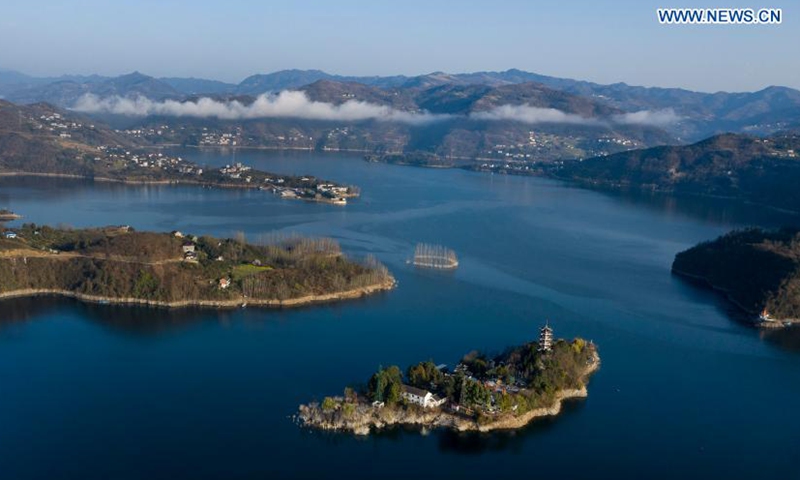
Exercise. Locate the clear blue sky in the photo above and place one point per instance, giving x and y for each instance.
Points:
(597, 40)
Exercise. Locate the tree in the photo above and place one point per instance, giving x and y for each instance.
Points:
(350, 395)
(423, 374)
(385, 385)
(328, 404)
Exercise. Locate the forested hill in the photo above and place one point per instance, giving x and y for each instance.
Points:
(756, 269)
(760, 170)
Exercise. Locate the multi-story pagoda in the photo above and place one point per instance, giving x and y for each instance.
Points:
(545, 338)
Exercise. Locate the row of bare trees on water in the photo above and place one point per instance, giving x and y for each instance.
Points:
(434, 256)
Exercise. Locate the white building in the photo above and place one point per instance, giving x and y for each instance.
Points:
(421, 397)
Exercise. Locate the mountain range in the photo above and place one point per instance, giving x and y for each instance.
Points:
(701, 114)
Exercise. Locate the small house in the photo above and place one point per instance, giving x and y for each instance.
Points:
(10, 235)
(188, 247)
(224, 283)
(420, 397)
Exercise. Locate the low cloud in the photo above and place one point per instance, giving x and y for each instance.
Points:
(286, 104)
(529, 114)
(295, 104)
(533, 115)
(655, 118)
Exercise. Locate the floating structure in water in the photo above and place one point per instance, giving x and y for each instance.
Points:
(434, 256)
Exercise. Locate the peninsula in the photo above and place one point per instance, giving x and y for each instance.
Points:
(757, 270)
(120, 265)
(481, 394)
(40, 140)
(762, 171)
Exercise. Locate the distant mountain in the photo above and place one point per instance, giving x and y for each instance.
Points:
(441, 122)
(294, 79)
(337, 92)
(194, 86)
(760, 170)
(701, 114)
(10, 77)
(458, 99)
(66, 92)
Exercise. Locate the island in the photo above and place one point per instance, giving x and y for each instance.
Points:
(40, 140)
(503, 392)
(757, 270)
(120, 265)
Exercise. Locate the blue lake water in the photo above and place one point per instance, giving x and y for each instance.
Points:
(92, 391)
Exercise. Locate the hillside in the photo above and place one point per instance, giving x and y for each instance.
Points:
(758, 270)
(41, 140)
(760, 170)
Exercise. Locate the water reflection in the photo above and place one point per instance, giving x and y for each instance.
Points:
(712, 210)
(475, 443)
(134, 320)
(786, 338)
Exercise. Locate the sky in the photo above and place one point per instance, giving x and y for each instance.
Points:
(597, 40)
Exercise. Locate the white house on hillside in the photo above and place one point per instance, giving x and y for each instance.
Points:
(421, 397)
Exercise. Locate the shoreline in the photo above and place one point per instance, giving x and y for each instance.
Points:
(168, 182)
(378, 419)
(771, 324)
(215, 304)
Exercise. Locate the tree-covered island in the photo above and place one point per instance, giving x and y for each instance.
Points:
(120, 265)
(481, 393)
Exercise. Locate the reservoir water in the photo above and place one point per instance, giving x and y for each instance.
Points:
(106, 392)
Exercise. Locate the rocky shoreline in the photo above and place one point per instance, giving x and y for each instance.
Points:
(365, 418)
(217, 304)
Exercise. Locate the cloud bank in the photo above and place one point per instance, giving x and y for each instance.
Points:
(529, 114)
(287, 104)
(295, 104)
(655, 118)
(534, 115)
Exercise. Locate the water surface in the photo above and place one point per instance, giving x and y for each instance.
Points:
(90, 391)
